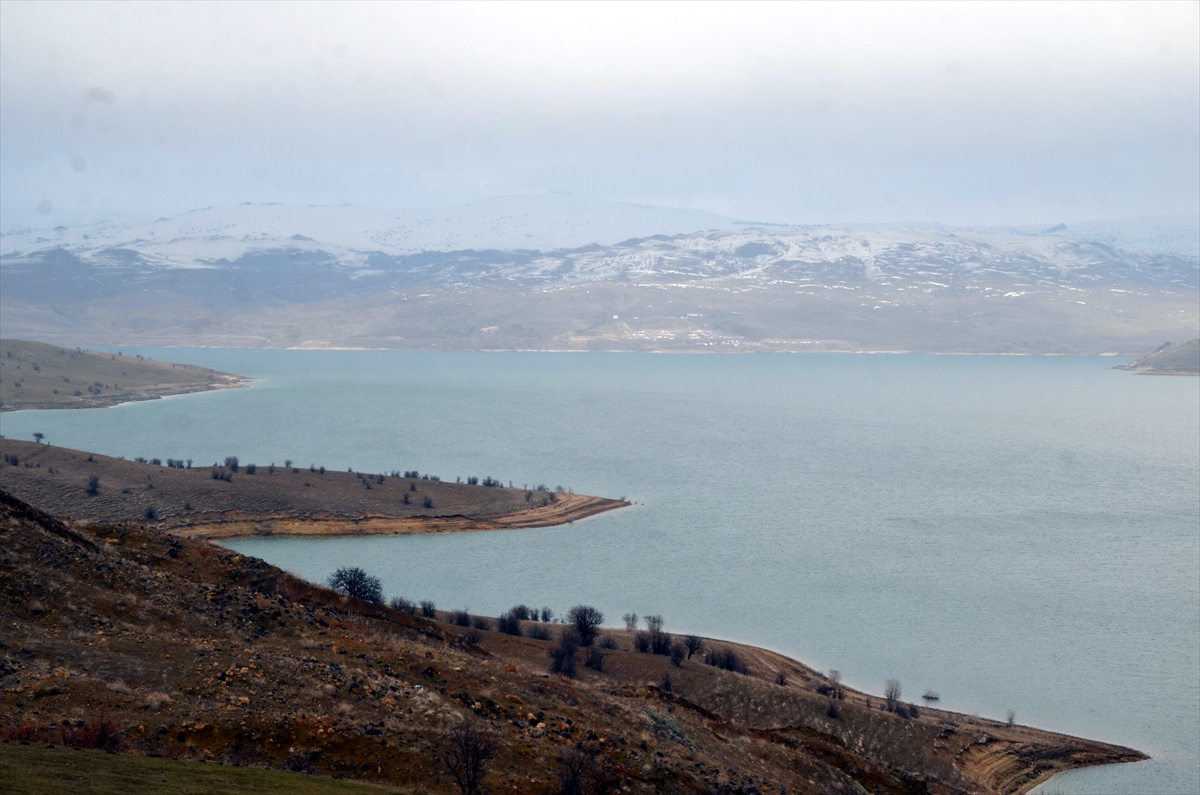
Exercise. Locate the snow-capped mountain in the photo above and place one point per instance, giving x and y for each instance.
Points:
(556, 271)
(536, 222)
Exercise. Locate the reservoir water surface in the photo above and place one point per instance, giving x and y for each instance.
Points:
(1015, 533)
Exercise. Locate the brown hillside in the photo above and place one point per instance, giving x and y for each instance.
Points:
(189, 651)
(274, 500)
(34, 375)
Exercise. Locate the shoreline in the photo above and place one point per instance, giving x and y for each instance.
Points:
(140, 396)
(568, 509)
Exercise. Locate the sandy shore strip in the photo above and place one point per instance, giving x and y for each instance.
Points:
(566, 509)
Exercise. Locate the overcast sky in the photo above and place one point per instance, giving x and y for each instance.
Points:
(808, 113)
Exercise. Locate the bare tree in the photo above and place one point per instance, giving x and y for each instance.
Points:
(355, 582)
(891, 693)
(1011, 718)
(660, 642)
(693, 644)
(587, 621)
(38, 436)
(575, 764)
(630, 620)
(466, 753)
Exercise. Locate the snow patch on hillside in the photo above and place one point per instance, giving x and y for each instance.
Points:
(543, 222)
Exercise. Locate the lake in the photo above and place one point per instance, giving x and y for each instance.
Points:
(1012, 532)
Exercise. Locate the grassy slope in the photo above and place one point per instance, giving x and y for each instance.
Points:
(200, 653)
(54, 377)
(38, 770)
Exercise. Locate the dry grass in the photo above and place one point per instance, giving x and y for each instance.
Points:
(273, 500)
(34, 375)
(226, 659)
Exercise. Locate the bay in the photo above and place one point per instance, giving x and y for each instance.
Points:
(1012, 532)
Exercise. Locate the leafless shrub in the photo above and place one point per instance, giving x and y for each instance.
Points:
(428, 610)
(460, 618)
(472, 637)
(298, 763)
(594, 659)
(930, 695)
(891, 693)
(585, 772)
(403, 605)
(832, 686)
(562, 656)
(1011, 717)
(480, 622)
(608, 642)
(538, 631)
(781, 678)
(726, 659)
(677, 654)
(157, 700)
(508, 623)
(466, 753)
(23, 732)
(101, 734)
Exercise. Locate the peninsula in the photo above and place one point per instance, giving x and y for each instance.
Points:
(233, 498)
(1169, 359)
(34, 375)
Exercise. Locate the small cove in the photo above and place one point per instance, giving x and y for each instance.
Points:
(1013, 532)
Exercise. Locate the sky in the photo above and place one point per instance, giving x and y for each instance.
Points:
(975, 113)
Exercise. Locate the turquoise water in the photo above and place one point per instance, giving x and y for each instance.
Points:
(1013, 532)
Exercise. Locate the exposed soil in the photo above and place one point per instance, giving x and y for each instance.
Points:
(192, 651)
(34, 375)
(217, 502)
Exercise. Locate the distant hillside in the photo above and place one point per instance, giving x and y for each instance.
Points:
(543, 222)
(556, 272)
(1168, 359)
(34, 375)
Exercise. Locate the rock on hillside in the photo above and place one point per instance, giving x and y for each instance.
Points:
(137, 641)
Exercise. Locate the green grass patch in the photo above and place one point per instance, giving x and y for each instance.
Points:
(38, 770)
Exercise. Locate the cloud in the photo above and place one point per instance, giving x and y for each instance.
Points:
(793, 112)
(98, 94)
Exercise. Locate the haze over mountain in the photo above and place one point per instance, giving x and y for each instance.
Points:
(559, 271)
(543, 222)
